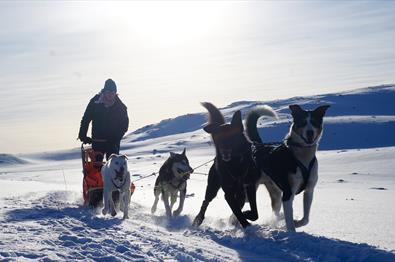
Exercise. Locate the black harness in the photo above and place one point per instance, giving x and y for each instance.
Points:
(167, 176)
(277, 161)
(236, 172)
(178, 182)
(306, 171)
(124, 181)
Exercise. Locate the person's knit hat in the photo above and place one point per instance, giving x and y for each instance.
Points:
(110, 85)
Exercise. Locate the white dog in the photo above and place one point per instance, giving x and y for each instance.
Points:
(116, 177)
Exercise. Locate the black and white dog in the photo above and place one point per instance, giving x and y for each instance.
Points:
(291, 167)
(173, 176)
(233, 169)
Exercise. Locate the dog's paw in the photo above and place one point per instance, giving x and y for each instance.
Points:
(113, 213)
(176, 212)
(233, 220)
(104, 211)
(300, 223)
(153, 210)
(245, 224)
(198, 220)
(252, 230)
(250, 215)
(125, 217)
(278, 215)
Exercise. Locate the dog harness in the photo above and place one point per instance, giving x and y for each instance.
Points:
(176, 183)
(239, 171)
(277, 161)
(165, 175)
(118, 187)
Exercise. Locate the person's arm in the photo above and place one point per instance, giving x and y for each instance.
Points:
(124, 122)
(86, 119)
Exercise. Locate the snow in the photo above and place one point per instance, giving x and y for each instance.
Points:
(42, 217)
(7, 159)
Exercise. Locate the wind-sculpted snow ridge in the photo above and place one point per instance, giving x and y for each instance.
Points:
(57, 155)
(55, 227)
(180, 124)
(7, 159)
(369, 112)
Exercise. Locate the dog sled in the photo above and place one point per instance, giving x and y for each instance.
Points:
(92, 183)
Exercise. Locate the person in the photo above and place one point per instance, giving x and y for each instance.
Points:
(109, 119)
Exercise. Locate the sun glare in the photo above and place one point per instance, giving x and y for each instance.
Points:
(167, 23)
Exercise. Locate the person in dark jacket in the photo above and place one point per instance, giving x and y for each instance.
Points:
(109, 119)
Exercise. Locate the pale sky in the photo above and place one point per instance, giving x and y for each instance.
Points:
(167, 57)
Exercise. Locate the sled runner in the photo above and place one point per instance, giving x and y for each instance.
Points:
(92, 184)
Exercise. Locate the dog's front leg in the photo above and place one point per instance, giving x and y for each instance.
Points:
(166, 197)
(307, 200)
(111, 204)
(213, 185)
(178, 211)
(232, 202)
(173, 199)
(126, 201)
(156, 194)
(288, 214)
(106, 207)
(251, 214)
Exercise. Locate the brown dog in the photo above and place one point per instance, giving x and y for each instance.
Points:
(233, 169)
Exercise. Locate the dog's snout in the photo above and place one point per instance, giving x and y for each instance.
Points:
(310, 135)
(122, 169)
(226, 157)
(226, 154)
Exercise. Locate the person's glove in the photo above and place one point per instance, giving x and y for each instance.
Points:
(86, 140)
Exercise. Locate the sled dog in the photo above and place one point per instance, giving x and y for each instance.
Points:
(173, 176)
(233, 169)
(291, 167)
(116, 177)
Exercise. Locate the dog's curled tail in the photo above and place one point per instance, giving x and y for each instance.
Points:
(215, 116)
(252, 119)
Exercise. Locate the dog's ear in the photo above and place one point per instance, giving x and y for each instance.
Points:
(320, 111)
(183, 152)
(236, 120)
(125, 156)
(211, 128)
(297, 110)
(172, 154)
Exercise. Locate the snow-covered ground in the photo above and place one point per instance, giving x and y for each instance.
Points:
(42, 217)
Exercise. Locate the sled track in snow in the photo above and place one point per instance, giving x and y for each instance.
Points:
(55, 227)
(48, 228)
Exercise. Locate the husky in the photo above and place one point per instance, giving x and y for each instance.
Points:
(292, 167)
(116, 177)
(233, 169)
(173, 176)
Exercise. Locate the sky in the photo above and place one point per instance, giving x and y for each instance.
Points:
(167, 57)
